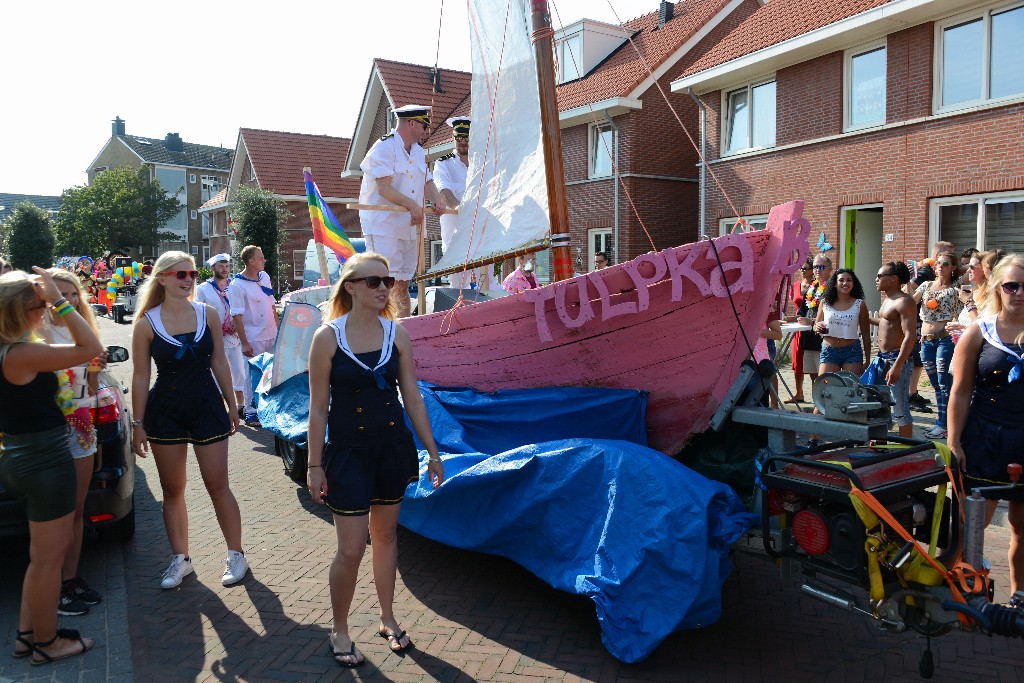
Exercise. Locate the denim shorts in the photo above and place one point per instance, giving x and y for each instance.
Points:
(842, 355)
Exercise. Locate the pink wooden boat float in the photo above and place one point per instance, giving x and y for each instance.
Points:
(661, 323)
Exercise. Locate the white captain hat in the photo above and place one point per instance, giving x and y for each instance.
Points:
(416, 112)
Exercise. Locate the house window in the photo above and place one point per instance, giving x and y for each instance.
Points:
(206, 226)
(206, 253)
(193, 214)
(298, 264)
(211, 185)
(599, 239)
(988, 221)
(602, 147)
(191, 177)
(978, 59)
(570, 58)
(728, 225)
(435, 255)
(865, 86)
(750, 117)
(195, 250)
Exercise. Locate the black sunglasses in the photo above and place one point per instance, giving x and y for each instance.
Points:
(182, 274)
(819, 267)
(374, 281)
(1012, 287)
(879, 276)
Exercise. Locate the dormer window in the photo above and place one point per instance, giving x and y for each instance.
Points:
(570, 58)
(583, 45)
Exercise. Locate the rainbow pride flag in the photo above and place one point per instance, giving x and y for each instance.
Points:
(326, 228)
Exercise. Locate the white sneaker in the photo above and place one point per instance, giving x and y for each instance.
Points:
(235, 567)
(179, 568)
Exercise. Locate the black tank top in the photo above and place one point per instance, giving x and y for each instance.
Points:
(995, 397)
(32, 407)
(182, 360)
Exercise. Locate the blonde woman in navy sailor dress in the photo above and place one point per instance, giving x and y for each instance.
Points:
(185, 407)
(356, 365)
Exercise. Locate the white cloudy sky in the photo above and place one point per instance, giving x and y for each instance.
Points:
(205, 69)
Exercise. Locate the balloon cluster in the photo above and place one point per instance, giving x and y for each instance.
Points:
(122, 276)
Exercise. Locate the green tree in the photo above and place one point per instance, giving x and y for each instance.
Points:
(30, 238)
(121, 209)
(259, 217)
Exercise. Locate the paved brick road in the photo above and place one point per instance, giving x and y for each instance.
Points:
(473, 617)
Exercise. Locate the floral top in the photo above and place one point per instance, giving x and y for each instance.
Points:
(938, 305)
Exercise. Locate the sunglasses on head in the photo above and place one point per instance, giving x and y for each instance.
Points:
(374, 281)
(182, 274)
(1012, 287)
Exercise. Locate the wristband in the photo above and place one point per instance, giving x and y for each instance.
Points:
(312, 465)
(437, 460)
(137, 423)
(63, 309)
(59, 302)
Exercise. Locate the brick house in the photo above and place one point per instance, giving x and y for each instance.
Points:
(192, 172)
(610, 109)
(273, 161)
(899, 122)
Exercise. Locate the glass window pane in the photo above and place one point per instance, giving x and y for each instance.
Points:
(764, 115)
(739, 121)
(958, 223)
(867, 88)
(962, 62)
(1007, 76)
(571, 58)
(602, 151)
(1004, 226)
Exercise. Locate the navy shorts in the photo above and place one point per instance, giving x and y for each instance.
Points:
(199, 420)
(37, 469)
(841, 355)
(377, 474)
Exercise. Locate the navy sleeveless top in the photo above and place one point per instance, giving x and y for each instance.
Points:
(364, 395)
(182, 360)
(28, 408)
(995, 397)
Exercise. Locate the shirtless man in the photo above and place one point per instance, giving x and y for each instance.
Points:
(897, 329)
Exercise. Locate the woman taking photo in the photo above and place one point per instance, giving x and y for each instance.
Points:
(940, 304)
(843, 324)
(185, 407)
(357, 364)
(986, 406)
(83, 382)
(35, 463)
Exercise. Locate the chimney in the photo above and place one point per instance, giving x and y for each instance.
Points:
(173, 143)
(434, 75)
(117, 127)
(665, 12)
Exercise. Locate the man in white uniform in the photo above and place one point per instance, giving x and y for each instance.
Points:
(395, 172)
(215, 292)
(450, 176)
(252, 308)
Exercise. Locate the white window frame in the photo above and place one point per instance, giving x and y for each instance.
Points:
(985, 14)
(206, 253)
(848, 58)
(592, 253)
(206, 226)
(726, 116)
(757, 221)
(595, 146)
(191, 178)
(570, 56)
(298, 264)
(193, 215)
(982, 200)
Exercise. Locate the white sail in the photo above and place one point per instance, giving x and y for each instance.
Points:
(505, 207)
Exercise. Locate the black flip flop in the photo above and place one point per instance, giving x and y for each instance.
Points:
(390, 635)
(351, 653)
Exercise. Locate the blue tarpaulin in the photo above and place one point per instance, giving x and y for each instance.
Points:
(584, 504)
(643, 536)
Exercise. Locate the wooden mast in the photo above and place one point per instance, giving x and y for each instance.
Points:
(561, 255)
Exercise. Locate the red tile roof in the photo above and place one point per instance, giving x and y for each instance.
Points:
(624, 70)
(215, 200)
(279, 158)
(777, 21)
(410, 84)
